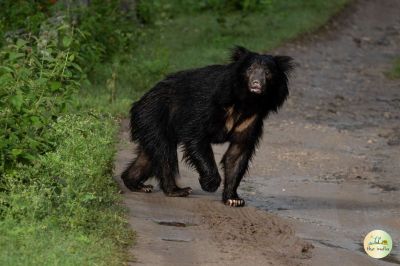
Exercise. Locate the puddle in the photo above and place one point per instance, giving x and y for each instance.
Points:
(177, 239)
(173, 223)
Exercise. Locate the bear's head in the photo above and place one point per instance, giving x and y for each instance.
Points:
(261, 72)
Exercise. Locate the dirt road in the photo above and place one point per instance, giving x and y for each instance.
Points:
(327, 171)
(200, 230)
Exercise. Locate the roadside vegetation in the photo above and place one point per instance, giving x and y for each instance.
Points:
(178, 34)
(67, 70)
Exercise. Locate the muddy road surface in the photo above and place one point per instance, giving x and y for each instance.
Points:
(200, 230)
(326, 173)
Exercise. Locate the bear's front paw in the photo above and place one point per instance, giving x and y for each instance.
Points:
(210, 183)
(234, 202)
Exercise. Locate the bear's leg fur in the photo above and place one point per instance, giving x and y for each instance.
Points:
(138, 172)
(235, 162)
(200, 155)
(165, 164)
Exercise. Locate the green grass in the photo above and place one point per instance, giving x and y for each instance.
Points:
(394, 73)
(198, 39)
(39, 244)
(64, 210)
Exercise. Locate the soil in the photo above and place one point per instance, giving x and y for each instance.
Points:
(326, 173)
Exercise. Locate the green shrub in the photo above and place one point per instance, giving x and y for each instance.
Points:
(104, 28)
(38, 76)
(107, 30)
(70, 182)
(66, 198)
(23, 16)
(58, 201)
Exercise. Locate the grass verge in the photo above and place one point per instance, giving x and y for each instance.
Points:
(64, 210)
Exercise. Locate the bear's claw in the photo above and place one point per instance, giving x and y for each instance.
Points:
(146, 189)
(137, 187)
(238, 202)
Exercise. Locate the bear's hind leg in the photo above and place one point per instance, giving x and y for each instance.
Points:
(167, 164)
(137, 173)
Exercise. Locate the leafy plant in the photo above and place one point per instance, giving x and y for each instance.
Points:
(57, 195)
(107, 29)
(24, 16)
(66, 198)
(38, 76)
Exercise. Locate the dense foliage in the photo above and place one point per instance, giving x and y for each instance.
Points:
(47, 51)
(38, 76)
(61, 210)
(55, 166)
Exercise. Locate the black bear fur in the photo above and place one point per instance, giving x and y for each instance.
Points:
(199, 107)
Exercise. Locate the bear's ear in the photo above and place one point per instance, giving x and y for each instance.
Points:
(238, 52)
(284, 63)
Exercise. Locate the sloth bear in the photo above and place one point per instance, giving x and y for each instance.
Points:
(199, 107)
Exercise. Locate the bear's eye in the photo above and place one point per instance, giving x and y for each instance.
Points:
(249, 70)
